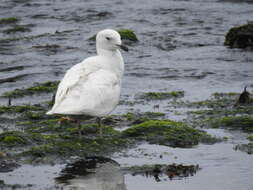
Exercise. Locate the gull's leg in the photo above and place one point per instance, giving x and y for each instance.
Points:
(99, 121)
(77, 121)
(65, 119)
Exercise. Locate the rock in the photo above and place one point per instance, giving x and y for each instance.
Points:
(244, 97)
(240, 36)
(248, 148)
(8, 165)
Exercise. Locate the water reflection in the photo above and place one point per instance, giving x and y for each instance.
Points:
(163, 172)
(93, 173)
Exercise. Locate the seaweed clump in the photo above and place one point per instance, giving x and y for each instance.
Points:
(240, 36)
(67, 143)
(19, 109)
(234, 122)
(162, 95)
(169, 133)
(49, 86)
(126, 34)
(222, 110)
(13, 138)
(137, 118)
(250, 137)
(9, 20)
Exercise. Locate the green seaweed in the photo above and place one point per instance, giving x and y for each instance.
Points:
(49, 86)
(9, 20)
(126, 34)
(250, 137)
(69, 145)
(162, 95)
(13, 138)
(19, 109)
(53, 138)
(221, 111)
(31, 115)
(136, 118)
(234, 122)
(168, 132)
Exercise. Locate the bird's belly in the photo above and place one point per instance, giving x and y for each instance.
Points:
(102, 103)
(98, 101)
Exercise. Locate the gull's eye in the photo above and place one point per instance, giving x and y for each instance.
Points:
(108, 38)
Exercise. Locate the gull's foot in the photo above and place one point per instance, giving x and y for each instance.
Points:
(76, 121)
(62, 119)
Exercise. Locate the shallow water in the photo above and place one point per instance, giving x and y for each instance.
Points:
(180, 48)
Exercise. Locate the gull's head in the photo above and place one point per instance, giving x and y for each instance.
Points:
(109, 40)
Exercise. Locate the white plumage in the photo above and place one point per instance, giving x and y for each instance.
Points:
(92, 87)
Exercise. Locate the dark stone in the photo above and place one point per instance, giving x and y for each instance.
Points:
(240, 36)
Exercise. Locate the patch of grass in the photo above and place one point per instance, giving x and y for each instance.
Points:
(9, 20)
(49, 86)
(162, 95)
(167, 132)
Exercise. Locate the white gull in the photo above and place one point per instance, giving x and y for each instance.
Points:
(93, 86)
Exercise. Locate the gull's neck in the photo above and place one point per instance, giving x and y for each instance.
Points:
(104, 52)
(116, 60)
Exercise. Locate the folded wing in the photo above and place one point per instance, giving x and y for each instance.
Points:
(87, 89)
